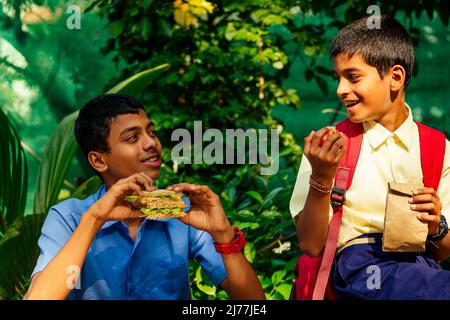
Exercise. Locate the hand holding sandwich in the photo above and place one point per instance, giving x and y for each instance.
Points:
(112, 205)
(206, 212)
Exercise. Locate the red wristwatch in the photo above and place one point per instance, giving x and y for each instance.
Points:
(234, 246)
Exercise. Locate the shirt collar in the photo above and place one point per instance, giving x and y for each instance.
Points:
(377, 134)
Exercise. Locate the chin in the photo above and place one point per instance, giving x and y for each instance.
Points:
(355, 118)
(153, 173)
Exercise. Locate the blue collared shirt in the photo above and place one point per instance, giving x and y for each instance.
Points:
(154, 266)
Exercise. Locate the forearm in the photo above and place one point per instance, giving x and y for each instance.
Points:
(54, 281)
(312, 223)
(242, 282)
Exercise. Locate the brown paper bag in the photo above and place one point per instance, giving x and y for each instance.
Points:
(403, 232)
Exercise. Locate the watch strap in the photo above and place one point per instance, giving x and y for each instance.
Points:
(234, 246)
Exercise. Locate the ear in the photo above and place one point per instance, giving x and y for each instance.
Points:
(397, 77)
(97, 161)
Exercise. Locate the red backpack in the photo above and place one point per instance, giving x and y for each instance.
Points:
(312, 273)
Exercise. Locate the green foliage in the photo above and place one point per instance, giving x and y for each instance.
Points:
(18, 255)
(55, 165)
(13, 175)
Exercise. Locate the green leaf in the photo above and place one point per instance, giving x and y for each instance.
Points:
(13, 175)
(285, 290)
(18, 256)
(271, 196)
(136, 84)
(278, 276)
(255, 195)
(250, 225)
(209, 290)
(245, 214)
(56, 162)
(250, 252)
(265, 282)
(87, 188)
(116, 28)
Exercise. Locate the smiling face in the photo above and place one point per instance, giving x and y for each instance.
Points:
(134, 147)
(364, 93)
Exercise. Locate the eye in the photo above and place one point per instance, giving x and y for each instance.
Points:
(353, 77)
(152, 133)
(132, 138)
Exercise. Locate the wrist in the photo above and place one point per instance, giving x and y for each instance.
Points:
(234, 246)
(323, 179)
(92, 219)
(442, 231)
(223, 236)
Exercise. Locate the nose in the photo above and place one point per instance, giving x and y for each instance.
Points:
(149, 142)
(342, 89)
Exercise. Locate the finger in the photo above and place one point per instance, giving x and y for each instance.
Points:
(135, 214)
(423, 207)
(140, 179)
(183, 186)
(330, 141)
(421, 198)
(130, 187)
(148, 179)
(193, 189)
(340, 154)
(335, 146)
(308, 140)
(423, 190)
(317, 137)
(428, 217)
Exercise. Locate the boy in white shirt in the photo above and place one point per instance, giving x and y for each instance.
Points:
(373, 67)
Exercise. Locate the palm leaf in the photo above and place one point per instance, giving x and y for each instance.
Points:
(87, 188)
(13, 175)
(136, 84)
(18, 255)
(57, 159)
(62, 145)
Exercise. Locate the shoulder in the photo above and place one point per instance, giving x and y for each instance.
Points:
(72, 209)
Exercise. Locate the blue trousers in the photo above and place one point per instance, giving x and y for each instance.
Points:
(364, 271)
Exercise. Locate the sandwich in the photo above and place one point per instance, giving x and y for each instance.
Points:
(159, 204)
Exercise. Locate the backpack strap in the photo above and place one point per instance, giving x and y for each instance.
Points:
(432, 152)
(343, 180)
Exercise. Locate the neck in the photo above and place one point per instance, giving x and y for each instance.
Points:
(395, 118)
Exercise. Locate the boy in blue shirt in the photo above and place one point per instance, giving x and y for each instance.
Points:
(373, 68)
(102, 248)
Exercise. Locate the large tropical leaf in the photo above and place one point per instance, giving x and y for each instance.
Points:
(13, 175)
(62, 145)
(18, 255)
(87, 188)
(136, 84)
(55, 165)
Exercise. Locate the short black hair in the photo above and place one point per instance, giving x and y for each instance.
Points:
(381, 48)
(93, 124)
